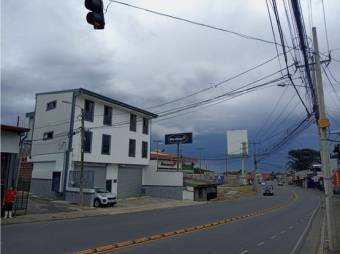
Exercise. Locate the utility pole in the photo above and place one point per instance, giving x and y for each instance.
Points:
(177, 156)
(255, 163)
(323, 124)
(243, 161)
(82, 139)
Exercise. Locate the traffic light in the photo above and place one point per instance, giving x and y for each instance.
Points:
(96, 16)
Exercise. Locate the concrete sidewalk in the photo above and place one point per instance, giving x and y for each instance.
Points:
(324, 248)
(69, 211)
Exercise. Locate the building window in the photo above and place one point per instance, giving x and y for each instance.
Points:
(89, 110)
(132, 148)
(107, 115)
(133, 122)
(88, 142)
(106, 144)
(145, 126)
(48, 135)
(144, 149)
(51, 105)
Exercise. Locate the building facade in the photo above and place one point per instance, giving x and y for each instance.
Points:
(116, 145)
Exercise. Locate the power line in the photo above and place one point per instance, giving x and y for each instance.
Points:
(324, 20)
(193, 22)
(215, 85)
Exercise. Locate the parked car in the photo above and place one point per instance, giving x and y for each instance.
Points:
(280, 183)
(268, 190)
(104, 197)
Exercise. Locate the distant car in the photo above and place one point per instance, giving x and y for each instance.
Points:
(104, 197)
(280, 183)
(268, 190)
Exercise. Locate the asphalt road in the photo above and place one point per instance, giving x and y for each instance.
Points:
(274, 232)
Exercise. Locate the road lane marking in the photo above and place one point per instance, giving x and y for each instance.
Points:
(273, 237)
(283, 231)
(244, 252)
(291, 227)
(188, 230)
(259, 244)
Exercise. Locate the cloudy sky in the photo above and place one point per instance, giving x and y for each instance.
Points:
(146, 60)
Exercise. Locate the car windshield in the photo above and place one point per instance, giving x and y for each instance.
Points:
(101, 190)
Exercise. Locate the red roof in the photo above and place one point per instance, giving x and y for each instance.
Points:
(168, 156)
(12, 128)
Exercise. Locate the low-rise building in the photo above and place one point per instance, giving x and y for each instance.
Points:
(116, 145)
(10, 155)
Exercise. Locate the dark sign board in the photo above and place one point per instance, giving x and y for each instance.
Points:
(178, 138)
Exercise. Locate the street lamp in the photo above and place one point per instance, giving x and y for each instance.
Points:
(82, 138)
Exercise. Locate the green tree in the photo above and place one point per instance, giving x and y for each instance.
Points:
(302, 159)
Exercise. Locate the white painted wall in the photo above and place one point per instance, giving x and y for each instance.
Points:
(9, 142)
(56, 120)
(188, 193)
(162, 178)
(43, 170)
(119, 135)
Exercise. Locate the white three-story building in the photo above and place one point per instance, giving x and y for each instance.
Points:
(117, 143)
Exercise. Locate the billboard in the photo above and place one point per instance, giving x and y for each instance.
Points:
(237, 142)
(178, 138)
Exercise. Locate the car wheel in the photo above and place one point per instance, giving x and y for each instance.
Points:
(96, 202)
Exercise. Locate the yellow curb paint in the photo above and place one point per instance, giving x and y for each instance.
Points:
(88, 251)
(169, 233)
(190, 229)
(180, 231)
(199, 227)
(207, 225)
(105, 248)
(156, 237)
(141, 240)
(124, 244)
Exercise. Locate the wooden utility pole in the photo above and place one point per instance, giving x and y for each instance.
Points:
(323, 124)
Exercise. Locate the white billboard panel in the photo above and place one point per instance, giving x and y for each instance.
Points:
(235, 141)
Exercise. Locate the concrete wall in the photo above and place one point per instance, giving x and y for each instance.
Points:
(43, 188)
(73, 197)
(188, 193)
(161, 178)
(9, 142)
(171, 192)
(120, 135)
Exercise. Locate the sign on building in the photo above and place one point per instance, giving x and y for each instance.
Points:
(237, 142)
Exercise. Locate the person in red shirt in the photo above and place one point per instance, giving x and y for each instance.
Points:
(9, 200)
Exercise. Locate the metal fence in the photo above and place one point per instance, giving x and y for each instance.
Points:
(22, 197)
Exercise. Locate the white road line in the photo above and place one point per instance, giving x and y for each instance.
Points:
(260, 244)
(244, 252)
(283, 231)
(273, 237)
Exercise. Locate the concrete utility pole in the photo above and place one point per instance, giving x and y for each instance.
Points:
(323, 124)
(82, 139)
(255, 163)
(243, 160)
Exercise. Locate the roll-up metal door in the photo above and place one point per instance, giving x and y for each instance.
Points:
(129, 182)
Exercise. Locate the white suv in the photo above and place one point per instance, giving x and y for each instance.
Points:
(104, 197)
